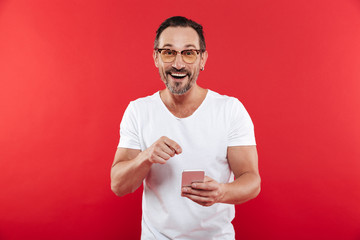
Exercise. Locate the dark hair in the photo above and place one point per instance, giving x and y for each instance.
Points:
(179, 21)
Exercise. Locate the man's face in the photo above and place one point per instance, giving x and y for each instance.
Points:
(178, 75)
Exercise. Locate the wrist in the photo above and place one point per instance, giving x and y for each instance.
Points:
(223, 189)
(144, 160)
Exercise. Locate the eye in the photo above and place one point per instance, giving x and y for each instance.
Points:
(189, 53)
(167, 52)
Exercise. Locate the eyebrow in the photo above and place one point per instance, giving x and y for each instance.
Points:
(186, 46)
(190, 45)
(168, 45)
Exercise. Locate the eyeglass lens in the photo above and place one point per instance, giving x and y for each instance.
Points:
(188, 56)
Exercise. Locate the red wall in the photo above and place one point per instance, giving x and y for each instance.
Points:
(68, 69)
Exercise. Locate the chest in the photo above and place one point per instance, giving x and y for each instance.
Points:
(203, 138)
(205, 131)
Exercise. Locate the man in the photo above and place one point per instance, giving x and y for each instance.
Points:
(183, 127)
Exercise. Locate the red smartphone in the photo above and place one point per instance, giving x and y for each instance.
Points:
(191, 176)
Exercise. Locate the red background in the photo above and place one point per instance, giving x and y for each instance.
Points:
(68, 69)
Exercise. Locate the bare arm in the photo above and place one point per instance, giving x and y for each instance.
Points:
(131, 166)
(243, 161)
(128, 171)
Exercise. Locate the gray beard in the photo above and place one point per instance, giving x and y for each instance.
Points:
(176, 90)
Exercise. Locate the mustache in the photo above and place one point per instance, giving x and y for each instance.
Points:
(174, 70)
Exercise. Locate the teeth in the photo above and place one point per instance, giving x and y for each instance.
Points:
(178, 75)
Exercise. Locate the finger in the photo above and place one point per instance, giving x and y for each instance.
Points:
(191, 191)
(157, 159)
(173, 145)
(200, 200)
(166, 149)
(160, 153)
(207, 186)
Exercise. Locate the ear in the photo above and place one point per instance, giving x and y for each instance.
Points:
(203, 59)
(156, 58)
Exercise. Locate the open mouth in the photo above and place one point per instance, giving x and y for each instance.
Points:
(178, 75)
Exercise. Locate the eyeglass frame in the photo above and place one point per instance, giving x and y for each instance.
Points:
(198, 51)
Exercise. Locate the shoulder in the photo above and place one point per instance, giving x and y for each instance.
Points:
(228, 106)
(144, 102)
(224, 100)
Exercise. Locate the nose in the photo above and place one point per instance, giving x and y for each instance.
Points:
(178, 62)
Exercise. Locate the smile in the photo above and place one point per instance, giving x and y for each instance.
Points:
(178, 75)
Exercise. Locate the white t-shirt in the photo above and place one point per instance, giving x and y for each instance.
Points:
(218, 123)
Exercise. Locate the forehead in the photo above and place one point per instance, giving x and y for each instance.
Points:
(179, 38)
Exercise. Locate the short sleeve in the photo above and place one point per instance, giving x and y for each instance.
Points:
(129, 137)
(241, 130)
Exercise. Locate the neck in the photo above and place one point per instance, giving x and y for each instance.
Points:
(193, 95)
(186, 104)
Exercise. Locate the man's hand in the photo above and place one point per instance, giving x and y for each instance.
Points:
(131, 166)
(162, 150)
(206, 193)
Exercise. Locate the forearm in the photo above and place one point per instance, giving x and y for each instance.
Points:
(127, 176)
(244, 188)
